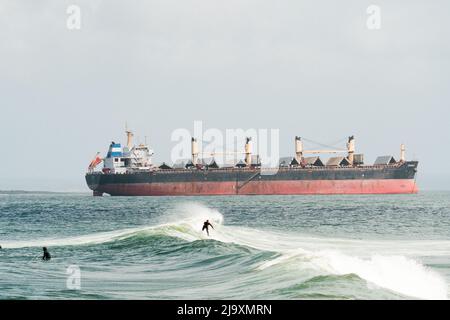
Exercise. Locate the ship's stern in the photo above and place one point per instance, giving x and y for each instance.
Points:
(93, 182)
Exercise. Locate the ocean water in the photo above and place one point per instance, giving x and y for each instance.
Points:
(262, 247)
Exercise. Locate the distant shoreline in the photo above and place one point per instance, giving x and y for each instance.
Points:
(13, 192)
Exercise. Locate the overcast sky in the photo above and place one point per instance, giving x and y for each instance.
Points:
(309, 68)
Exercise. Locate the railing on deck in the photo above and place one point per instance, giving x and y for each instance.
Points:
(283, 169)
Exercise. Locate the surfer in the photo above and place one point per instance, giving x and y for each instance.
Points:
(207, 224)
(46, 255)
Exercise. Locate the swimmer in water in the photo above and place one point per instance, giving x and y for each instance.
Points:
(46, 255)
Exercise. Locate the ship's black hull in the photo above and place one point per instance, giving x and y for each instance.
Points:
(397, 178)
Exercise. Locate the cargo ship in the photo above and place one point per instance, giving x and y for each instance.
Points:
(129, 171)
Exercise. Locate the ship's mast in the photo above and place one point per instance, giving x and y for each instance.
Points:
(402, 153)
(129, 137)
(351, 149)
(248, 151)
(194, 149)
(298, 149)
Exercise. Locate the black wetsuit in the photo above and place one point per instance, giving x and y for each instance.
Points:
(206, 225)
(46, 256)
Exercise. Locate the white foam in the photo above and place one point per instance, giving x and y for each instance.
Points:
(96, 238)
(397, 273)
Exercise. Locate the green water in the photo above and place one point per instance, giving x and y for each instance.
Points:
(262, 247)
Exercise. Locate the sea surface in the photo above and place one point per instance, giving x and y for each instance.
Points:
(261, 247)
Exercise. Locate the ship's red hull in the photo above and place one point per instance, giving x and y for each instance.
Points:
(290, 187)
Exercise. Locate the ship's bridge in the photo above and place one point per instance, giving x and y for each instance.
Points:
(122, 159)
(116, 160)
